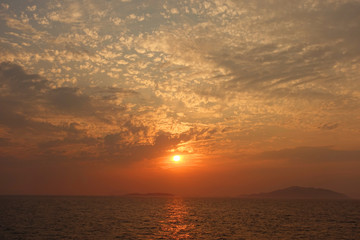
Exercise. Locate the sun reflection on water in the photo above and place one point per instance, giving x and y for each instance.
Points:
(176, 224)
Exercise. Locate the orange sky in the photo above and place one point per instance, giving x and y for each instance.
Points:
(97, 97)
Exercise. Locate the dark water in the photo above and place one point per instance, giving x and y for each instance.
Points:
(176, 218)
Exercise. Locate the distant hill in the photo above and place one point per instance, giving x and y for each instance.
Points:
(296, 192)
(149, 195)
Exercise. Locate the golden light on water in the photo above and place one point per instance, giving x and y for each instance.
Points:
(175, 224)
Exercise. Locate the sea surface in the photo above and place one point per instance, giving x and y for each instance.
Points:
(176, 218)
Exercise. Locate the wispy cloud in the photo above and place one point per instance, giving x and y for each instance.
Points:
(313, 155)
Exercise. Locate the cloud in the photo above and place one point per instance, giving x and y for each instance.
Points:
(312, 155)
(31, 8)
(70, 99)
(32, 91)
(329, 126)
(5, 6)
(68, 12)
(20, 25)
(68, 141)
(5, 142)
(268, 47)
(14, 80)
(162, 144)
(295, 45)
(20, 94)
(214, 64)
(93, 126)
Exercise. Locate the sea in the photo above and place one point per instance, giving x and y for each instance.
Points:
(54, 217)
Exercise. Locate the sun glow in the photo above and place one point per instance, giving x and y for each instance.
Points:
(176, 158)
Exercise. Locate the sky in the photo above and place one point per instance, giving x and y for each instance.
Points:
(96, 97)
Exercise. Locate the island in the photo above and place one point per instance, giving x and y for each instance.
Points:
(296, 192)
(166, 195)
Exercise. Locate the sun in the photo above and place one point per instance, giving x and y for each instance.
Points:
(176, 158)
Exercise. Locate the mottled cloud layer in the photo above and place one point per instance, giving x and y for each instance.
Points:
(223, 82)
(66, 123)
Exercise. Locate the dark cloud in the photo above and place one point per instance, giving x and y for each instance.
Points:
(25, 97)
(5, 142)
(343, 22)
(119, 151)
(312, 154)
(116, 148)
(162, 143)
(68, 141)
(28, 101)
(300, 43)
(28, 92)
(70, 100)
(11, 118)
(14, 80)
(111, 93)
(329, 126)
